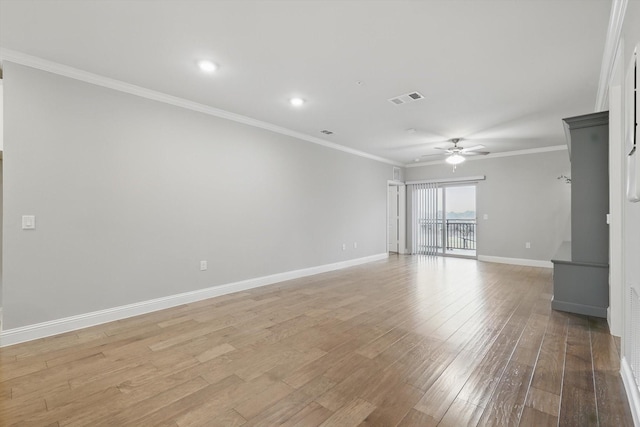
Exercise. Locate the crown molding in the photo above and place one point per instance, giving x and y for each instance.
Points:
(99, 80)
(616, 19)
(587, 120)
(494, 155)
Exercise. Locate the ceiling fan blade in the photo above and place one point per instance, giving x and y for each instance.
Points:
(474, 148)
(475, 153)
(442, 148)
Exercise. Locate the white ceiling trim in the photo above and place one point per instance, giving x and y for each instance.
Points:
(616, 19)
(96, 79)
(495, 155)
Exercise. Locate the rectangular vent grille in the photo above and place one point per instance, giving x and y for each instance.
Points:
(407, 97)
(635, 335)
(326, 132)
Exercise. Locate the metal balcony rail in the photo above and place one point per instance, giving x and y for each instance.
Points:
(458, 233)
(461, 233)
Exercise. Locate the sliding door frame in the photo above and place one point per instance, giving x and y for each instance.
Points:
(442, 184)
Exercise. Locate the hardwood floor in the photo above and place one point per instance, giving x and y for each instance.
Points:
(409, 341)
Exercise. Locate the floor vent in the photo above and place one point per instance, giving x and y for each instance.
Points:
(407, 97)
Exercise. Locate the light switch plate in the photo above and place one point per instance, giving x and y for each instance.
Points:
(28, 222)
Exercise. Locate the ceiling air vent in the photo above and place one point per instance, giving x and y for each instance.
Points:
(326, 132)
(407, 97)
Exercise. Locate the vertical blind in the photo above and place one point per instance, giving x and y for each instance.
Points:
(426, 227)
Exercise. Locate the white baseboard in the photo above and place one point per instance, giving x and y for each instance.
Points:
(67, 324)
(633, 394)
(516, 261)
(612, 330)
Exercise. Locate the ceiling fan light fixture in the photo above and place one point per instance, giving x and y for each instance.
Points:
(455, 159)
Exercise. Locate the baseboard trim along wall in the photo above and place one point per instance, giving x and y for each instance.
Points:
(68, 324)
(633, 394)
(516, 261)
(587, 310)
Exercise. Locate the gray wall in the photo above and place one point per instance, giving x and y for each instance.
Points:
(1, 214)
(1, 184)
(130, 194)
(590, 188)
(523, 198)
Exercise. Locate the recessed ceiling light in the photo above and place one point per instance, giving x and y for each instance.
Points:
(296, 102)
(207, 66)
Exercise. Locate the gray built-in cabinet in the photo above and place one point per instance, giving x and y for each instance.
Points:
(581, 266)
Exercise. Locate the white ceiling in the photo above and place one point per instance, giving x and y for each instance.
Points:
(498, 73)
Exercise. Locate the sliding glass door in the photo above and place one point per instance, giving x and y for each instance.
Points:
(444, 219)
(460, 220)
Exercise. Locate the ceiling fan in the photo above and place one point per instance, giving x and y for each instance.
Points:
(456, 154)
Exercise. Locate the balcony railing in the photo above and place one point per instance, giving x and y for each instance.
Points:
(461, 234)
(458, 234)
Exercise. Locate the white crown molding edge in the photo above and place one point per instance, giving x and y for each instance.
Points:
(616, 20)
(633, 394)
(494, 155)
(73, 323)
(98, 80)
(516, 261)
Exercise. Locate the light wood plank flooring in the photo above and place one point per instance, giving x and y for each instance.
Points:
(408, 341)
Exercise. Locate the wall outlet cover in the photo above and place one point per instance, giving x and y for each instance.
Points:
(28, 222)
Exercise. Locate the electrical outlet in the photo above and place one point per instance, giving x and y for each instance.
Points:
(344, 246)
(28, 222)
(355, 245)
(527, 245)
(203, 265)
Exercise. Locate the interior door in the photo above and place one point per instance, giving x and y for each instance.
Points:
(393, 219)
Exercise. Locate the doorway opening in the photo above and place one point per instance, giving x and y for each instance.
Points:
(444, 219)
(396, 214)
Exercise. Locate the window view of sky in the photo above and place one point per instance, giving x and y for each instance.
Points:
(461, 199)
